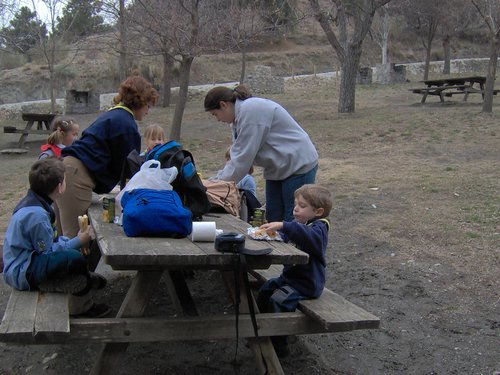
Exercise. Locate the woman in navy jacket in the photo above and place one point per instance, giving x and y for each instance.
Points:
(94, 162)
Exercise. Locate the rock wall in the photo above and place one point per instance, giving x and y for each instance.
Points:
(262, 81)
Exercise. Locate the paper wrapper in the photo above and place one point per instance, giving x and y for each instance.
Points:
(260, 234)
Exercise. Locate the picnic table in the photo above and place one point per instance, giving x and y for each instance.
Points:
(38, 319)
(42, 120)
(452, 86)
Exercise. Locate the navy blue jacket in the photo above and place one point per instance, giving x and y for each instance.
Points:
(307, 279)
(104, 146)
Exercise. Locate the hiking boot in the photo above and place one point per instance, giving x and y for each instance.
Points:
(98, 310)
(97, 281)
(69, 284)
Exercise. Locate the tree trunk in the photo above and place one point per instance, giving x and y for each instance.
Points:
(243, 64)
(52, 90)
(184, 72)
(348, 73)
(52, 75)
(447, 54)
(427, 61)
(168, 63)
(490, 76)
(123, 68)
(385, 48)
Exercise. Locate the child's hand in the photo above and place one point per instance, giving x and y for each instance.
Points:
(272, 227)
(85, 236)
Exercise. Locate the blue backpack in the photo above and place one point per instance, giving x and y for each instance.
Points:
(187, 184)
(148, 212)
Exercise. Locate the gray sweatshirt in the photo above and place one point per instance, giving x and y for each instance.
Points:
(265, 135)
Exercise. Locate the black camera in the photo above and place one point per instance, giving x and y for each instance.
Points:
(230, 242)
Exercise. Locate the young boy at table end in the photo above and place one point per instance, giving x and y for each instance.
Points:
(35, 259)
(309, 233)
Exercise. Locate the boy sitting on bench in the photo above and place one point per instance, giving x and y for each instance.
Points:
(36, 259)
(309, 233)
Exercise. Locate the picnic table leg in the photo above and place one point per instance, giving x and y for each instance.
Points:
(23, 137)
(267, 361)
(180, 294)
(424, 97)
(133, 305)
(441, 96)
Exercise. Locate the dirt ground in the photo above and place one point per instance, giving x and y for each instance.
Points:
(415, 241)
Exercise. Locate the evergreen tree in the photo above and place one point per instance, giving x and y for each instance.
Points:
(80, 18)
(24, 32)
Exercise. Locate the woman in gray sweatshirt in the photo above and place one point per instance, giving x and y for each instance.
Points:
(267, 136)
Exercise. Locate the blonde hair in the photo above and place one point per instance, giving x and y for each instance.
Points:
(317, 196)
(60, 126)
(154, 131)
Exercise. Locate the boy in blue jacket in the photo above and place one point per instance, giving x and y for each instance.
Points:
(309, 233)
(35, 258)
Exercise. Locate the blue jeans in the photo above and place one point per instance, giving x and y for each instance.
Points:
(275, 296)
(280, 195)
(55, 265)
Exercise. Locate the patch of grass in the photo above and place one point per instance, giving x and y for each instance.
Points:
(472, 234)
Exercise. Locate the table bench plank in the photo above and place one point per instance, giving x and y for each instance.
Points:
(32, 316)
(332, 311)
(19, 317)
(52, 317)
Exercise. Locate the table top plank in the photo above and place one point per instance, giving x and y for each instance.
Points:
(122, 252)
(455, 80)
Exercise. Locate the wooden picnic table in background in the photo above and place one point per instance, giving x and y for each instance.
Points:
(42, 120)
(452, 86)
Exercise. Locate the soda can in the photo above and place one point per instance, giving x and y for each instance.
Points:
(258, 217)
(108, 209)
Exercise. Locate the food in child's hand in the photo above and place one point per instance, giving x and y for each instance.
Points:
(83, 222)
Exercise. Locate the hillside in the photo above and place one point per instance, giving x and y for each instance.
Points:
(306, 51)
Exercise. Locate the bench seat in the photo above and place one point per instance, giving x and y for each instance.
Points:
(15, 130)
(35, 317)
(332, 311)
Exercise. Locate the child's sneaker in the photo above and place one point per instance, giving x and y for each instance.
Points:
(98, 310)
(70, 284)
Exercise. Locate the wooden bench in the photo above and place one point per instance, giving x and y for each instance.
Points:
(441, 91)
(42, 120)
(33, 317)
(332, 311)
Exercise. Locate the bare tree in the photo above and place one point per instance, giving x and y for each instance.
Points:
(50, 46)
(490, 13)
(346, 24)
(7, 9)
(380, 30)
(456, 18)
(244, 25)
(423, 18)
(117, 12)
(179, 31)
